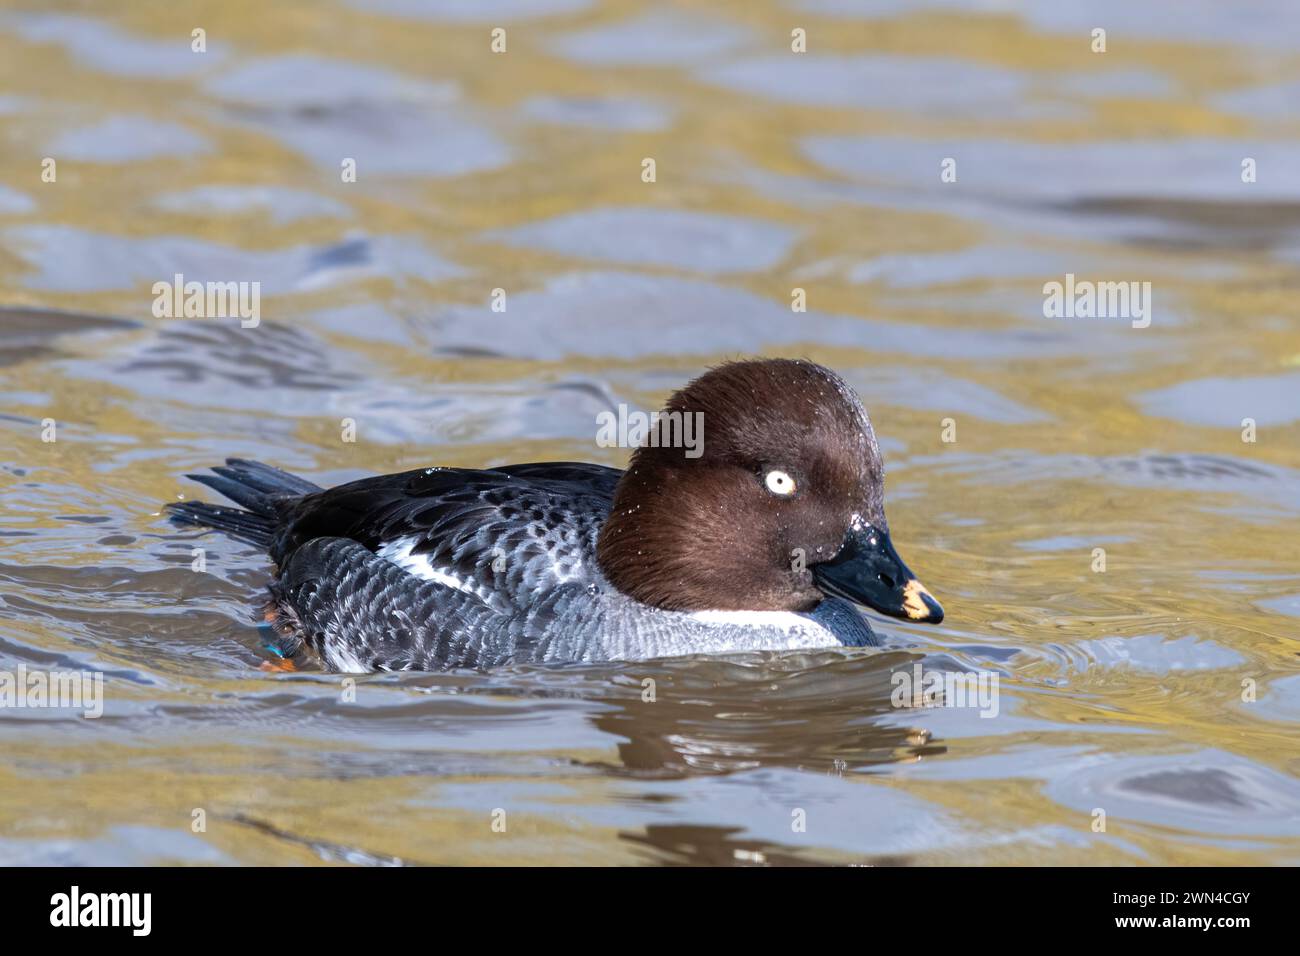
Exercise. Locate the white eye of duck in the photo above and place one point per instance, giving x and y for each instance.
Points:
(779, 483)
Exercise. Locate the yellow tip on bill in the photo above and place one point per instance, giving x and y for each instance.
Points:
(912, 602)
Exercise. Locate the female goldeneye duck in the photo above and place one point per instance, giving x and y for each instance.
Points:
(755, 539)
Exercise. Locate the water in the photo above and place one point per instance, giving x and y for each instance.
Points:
(1123, 691)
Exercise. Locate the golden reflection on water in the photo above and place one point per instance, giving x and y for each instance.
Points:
(1071, 434)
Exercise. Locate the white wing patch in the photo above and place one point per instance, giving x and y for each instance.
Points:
(399, 552)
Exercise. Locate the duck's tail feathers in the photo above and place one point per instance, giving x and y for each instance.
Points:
(261, 489)
(241, 525)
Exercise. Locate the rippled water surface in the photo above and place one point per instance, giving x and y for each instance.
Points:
(1164, 690)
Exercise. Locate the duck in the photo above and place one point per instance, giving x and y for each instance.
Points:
(766, 534)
